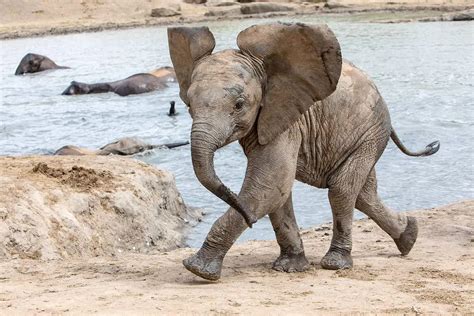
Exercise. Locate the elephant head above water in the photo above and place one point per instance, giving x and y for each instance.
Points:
(32, 63)
(299, 112)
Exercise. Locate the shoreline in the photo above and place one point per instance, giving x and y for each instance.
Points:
(96, 25)
(433, 279)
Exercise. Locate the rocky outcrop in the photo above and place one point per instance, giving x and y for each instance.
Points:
(61, 207)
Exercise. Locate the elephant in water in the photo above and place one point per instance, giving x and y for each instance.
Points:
(123, 147)
(166, 73)
(32, 63)
(299, 112)
(136, 84)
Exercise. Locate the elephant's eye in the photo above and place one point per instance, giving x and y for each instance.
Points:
(239, 105)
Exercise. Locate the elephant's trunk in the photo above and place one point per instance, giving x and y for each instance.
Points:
(203, 146)
(19, 70)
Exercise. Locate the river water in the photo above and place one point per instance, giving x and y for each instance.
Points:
(423, 70)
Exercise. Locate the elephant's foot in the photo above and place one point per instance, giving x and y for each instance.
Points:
(407, 239)
(291, 263)
(336, 259)
(205, 267)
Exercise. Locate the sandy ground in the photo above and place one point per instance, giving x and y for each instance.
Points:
(436, 278)
(24, 18)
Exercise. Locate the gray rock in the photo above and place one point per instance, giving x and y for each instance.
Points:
(223, 11)
(195, 1)
(264, 7)
(163, 12)
(463, 16)
(221, 3)
(334, 5)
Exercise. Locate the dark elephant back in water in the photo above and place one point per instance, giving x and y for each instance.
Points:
(135, 84)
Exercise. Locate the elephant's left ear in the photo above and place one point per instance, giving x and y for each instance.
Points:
(302, 63)
(187, 45)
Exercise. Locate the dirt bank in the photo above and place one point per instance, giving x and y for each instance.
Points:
(70, 207)
(24, 18)
(436, 278)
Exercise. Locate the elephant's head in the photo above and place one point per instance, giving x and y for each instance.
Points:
(77, 88)
(32, 63)
(278, 73)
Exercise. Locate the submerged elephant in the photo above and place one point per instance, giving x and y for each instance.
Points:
(136, 84)
(298, 111)
(32, 63)
(123, 147)
(166, 73)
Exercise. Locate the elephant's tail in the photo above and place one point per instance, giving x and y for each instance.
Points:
(429, 150)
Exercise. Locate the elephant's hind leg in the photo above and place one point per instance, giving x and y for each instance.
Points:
(339, 253)
(292, 257)
(344, 187)
(403, 229)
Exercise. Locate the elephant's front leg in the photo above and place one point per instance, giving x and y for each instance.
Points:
(292, 257)
(267, 186)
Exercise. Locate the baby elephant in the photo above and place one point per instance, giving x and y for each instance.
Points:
(299, 112)
(32, 63)
(123, 147)
(136, 84)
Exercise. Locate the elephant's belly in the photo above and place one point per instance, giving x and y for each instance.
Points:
(333, 129)
(310, 167)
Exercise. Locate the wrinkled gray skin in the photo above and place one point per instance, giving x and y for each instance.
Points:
(123, 147)
(298, 114)
(32, 63)
(136, 84)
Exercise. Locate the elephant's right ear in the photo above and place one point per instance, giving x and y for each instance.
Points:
(303, 65)
(188, 45)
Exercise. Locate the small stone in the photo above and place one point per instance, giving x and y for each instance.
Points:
(464, 16)
(163, 12)
(258, 8)
(195, 1)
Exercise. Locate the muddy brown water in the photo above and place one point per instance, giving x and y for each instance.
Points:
(423, 70)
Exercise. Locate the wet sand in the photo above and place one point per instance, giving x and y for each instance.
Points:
(435, 278)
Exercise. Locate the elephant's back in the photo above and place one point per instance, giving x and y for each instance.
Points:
(356, 101)
(139, 83)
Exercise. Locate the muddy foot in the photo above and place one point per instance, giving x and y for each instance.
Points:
(407, 239)
(209, 269)
(291, 263)
(337, 259)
